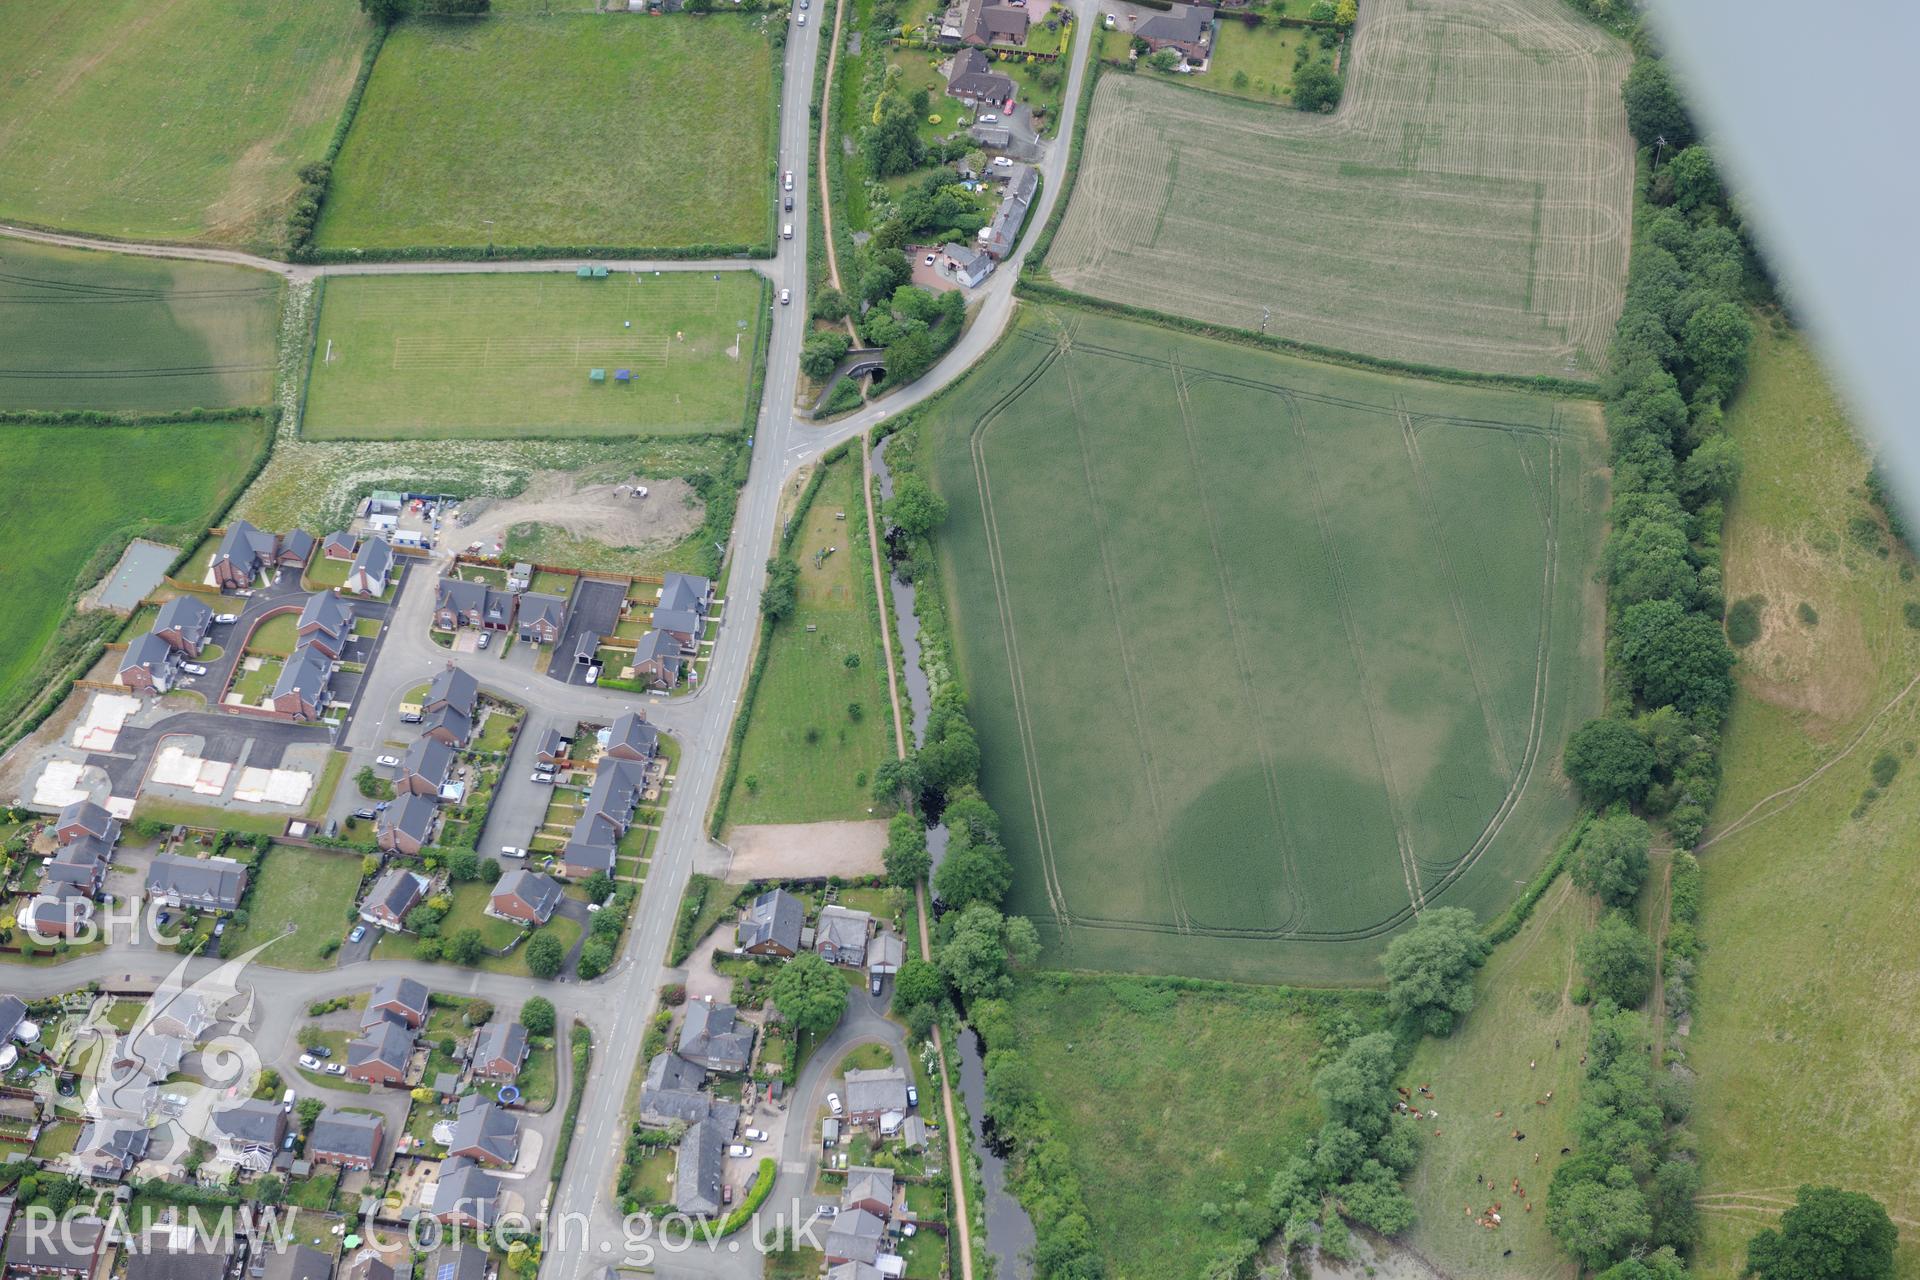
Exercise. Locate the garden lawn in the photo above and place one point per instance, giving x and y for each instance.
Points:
(93, 489)
(406, 357)
(563, 130)
(122, 334)
(806, 757)
(276, 636)
(1256, 62)
(1262, 653)
(299, 897)
(1804, 1021)
(169, 119)
(1166, 1099)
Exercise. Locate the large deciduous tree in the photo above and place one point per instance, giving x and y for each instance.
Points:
(1430, 968)
(1828, 1234)
(809, 994)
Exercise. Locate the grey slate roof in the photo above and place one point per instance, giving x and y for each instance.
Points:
(375, 558)
(700, 1167)
(209, 882)
(148, 651)
(297, 545)
(856, 1235)
(775, 916)
(685, 621)
(89, 816)
(81, 862)
(456, 687)
(398, 890)
(881, 1090)
(455, 1262)
(465, 1187)
(538, 606)
(1182, 24)
(854, 1271)
(539, 891)
(656, 644)
(255, 1122)
(552, 743)
(72, 1247)
(430, 758)
(632, 731)
(714, 1036)
(455, 721)
(405, 993)
(329, 613)
(306, 673)
(482, 1126)
(339, 541)
(684, 591)
(13, 1012)
(865, 1182)
(186, 614)
(671, 1090)
(460, 595)
(385, 1041)
(973, 76)
(345, 1133)
(412, 815)
(298, 1263)
(913, 1133)
(121, 1145)
(845, 927)
(610, 804)
(157, 1258)
(244, 545)
(501, 1042)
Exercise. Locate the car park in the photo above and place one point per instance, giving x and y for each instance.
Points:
(387, 762)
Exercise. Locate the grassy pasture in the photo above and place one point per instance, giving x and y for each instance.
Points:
(572, 129)
(807, 685)
(1467, 207)
(93, 488)
(405, 357)
(169, 119)
(123, 334)
(1260, 649)
(1166, 1098)
(1806, 1019)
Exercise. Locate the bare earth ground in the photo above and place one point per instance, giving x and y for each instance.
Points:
(602, 512)
(811, 849)
(1468, 206)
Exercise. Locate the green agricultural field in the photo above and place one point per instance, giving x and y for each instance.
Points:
(169, 119)
(405, 357)
(302, 894)
(1169, 1098)
(573, 129)
(1804, 1022)
(1487, 1080)
(1263, 653)
(1468, 206)
(93, 489)
(804, 755)
(121, 334)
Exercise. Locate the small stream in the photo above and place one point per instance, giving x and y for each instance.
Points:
(1010, 1235)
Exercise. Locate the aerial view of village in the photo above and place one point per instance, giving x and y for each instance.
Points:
(995, 640)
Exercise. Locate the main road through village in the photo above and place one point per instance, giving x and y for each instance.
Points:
(618, 1005)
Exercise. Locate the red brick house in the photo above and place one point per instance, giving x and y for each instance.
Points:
(526, 896)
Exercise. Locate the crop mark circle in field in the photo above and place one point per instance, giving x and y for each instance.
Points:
(1429, 876)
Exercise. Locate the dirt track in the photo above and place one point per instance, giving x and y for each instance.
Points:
(602, 512)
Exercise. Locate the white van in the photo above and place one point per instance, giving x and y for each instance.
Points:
(786, 232)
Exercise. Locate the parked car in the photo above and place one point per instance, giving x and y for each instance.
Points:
(286, 1101)
(755, 1135)
(486, 638)
(788, 184)
(913, 1095)
(739, 1152)
(163, 917)
(382, 806)
(335, 1069)
(511, 851)
(309, 1063)
(543, 777)
(226, 619)
(1003, 162)
(359, 932)
(319, 1051)
(789, 204)
(803, 19)
(193, 668)
(411, 717)
(592, 907)
(365, 815)
(873, 984)
(220, 928)
(988, 117)
(833, 1103)
(593, 674)
(786, 296)
(387, 762)
(786, 231)
(287, 1143)
(726, 1193)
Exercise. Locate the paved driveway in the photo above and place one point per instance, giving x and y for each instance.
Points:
(596, 607)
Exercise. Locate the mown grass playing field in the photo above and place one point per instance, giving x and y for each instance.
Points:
(574, 129)
(93, 488)
(1264, 653)
(1467, 207)
(401, 357)
(117, 333)
(806, 757)
(1805, 1018)
(169, 119)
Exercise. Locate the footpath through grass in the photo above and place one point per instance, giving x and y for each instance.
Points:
(1805, 1024)
(123, 334)
(406, 357)
(572, 129)
(91, 489)
(169, 119)
(1173, 1101)
(806, 756)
